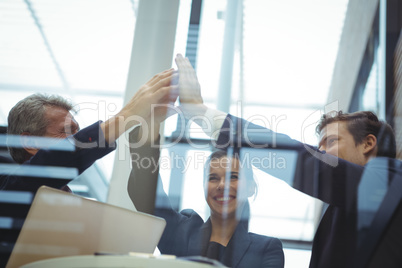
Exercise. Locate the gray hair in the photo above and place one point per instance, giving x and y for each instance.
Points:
(28, 115)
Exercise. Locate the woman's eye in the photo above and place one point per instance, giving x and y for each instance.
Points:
(234, 177)
(212, 178)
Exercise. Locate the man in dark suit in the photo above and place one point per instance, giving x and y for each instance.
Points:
(50, 116)
(353, 148)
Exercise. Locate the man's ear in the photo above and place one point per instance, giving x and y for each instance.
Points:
(26, 144)
(370, 144)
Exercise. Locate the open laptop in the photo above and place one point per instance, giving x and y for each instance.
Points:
(62, 224)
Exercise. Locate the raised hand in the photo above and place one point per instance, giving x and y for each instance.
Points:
(189, 87)
(157, 93)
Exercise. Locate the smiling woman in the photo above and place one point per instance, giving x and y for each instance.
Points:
(221, 182)
(228, 183)
(226, 192)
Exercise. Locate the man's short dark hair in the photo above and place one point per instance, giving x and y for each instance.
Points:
(360, 124)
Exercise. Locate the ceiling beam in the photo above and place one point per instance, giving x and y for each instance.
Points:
(47, 44)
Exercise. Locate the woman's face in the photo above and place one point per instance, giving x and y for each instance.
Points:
(221, 194)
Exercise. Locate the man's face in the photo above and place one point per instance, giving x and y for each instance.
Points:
(61, 123)
(336, 140)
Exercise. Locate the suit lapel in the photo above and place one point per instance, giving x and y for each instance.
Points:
(238, 245)
(198, 242)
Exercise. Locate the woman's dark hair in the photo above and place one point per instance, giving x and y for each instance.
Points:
(361, 124)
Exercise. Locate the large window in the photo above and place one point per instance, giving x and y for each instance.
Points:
(273, 58)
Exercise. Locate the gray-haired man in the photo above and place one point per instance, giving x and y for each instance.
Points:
(49, 116)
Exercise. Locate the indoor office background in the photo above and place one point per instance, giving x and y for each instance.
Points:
(280, 63)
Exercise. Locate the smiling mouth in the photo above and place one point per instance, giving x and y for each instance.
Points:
(224, 198)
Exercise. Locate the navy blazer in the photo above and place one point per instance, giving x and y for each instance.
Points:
(186, 234)
(331, 179)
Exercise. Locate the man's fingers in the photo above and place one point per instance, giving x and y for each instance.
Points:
(182, 63)
(162, 75)
(165, 94)
(188, 81)
(163, 82)
(175, 78)
(186, 70)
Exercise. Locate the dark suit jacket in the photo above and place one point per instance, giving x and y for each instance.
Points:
(186, 234)
(92, 147)
(333, 180)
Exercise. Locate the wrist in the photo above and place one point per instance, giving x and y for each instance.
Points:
(193, 110)
(115, 126)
